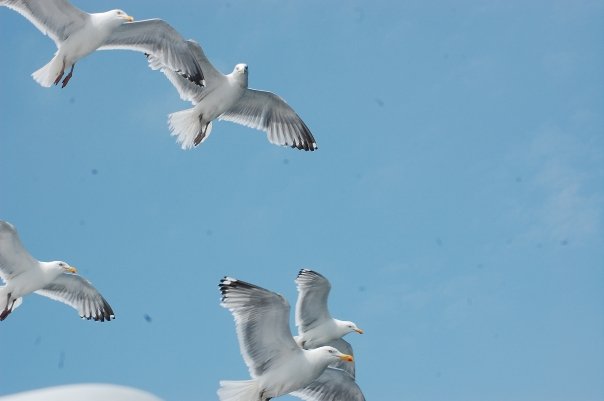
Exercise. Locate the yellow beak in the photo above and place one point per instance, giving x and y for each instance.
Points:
(72, 269)
(129, 18)
(359, 331)
(346, 357)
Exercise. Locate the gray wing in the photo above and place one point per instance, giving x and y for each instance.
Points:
(79, 293)
(159, 40)
(56, 18)
(344, 347)
(188, 91)
(332, 385)
(311, 307)
(14, 258)
(261, 319)
(268, 112)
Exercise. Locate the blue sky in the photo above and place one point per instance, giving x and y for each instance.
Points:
(455, 202)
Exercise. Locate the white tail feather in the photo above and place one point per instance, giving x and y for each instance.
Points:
(185, 125)
(47, 75)
(244, 390)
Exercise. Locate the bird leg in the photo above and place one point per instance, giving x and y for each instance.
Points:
(60, 74)
(7, 310)
(201, 133)
(68, 77)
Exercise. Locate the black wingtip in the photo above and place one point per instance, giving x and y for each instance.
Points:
(198, 78)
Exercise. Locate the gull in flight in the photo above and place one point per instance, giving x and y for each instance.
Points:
(315, 325)
(276, 363)
(227, 97)
(57, 280)
(77, 34)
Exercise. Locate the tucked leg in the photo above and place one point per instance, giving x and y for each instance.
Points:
(7, 310)
(201, 134)
(61, 74)
(68, 77)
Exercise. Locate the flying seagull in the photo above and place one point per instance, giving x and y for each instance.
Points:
(77, 34)
(57, 280)
(315, 325)
(276, 363)
(227, 97)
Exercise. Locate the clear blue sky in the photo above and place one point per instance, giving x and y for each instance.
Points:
(456, 201)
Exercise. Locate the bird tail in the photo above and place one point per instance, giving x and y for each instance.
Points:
(243, 390)
(189, 128)
(47, 75)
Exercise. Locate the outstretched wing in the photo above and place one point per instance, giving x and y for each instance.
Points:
(268, 112)
(261, 319)
(158, 40)
(188, 91)
(311, 307)
(14, 258)
(332, 385)
(79, 293)
(55, 18)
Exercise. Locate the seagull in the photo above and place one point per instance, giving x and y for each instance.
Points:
(315, 325)
(77, 34)
(56, 280)
(227, 97)
(276, 363)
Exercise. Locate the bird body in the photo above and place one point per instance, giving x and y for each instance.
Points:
(77, 34)
(88, 38)
(227, 97)
(277, 365)
(195, 124)
(57, 280)
(315, 325)
(324, 333)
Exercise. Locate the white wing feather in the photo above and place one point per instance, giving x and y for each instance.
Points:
(79, 293)
(56, 18)
(14, 258)
(261, 319)
(311, 307)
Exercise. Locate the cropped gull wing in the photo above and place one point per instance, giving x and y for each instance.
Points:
(261, 319)
(311, 307)
(188, 91)
(14, 258)
(79, 293)
(332, 385)
(55, 18)
(268, 112)
(158, 39)
(344, 347)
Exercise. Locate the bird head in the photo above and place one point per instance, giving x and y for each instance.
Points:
(334, 355)
(241, 69)
(65, 267)
(121, 16)
(349, 327)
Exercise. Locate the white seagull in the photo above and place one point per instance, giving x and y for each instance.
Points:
(77, 34)
(227, 97)
(276, 363)
(315, 325)
(57, 280)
